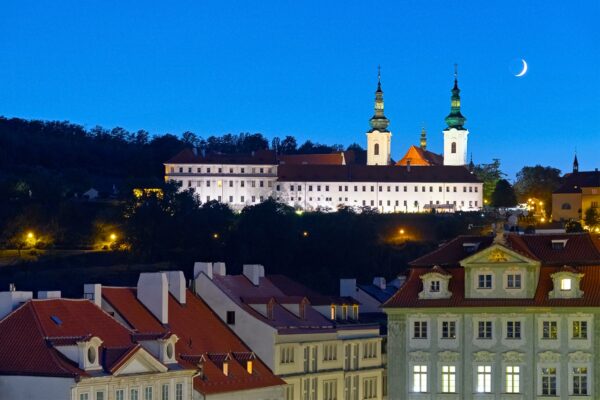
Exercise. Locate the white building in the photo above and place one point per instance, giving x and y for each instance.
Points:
(514, 317)
(317, 344)
(328, 181)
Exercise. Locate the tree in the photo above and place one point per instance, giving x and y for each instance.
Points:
(288, 145)
(489, 174)
(504, 195)
(539, 183)
(190, 139)
(573, 226)
(592, 218)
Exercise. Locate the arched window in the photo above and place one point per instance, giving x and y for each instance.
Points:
(376, 149)
(566, 206)
(453, 147)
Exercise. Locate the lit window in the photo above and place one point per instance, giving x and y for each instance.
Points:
(332, 312)
(420, 378)
(344, 312)
(580, 329)
(249, 366)
(549, 381)
(580, 381)
(550, 330)
(420, 330)
(565, 284)
(513, 379)
(484, 379)
(448, 379)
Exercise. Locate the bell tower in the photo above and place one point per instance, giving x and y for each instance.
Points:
(379, 139)
(455, 135)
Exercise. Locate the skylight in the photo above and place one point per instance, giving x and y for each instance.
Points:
(56, 320)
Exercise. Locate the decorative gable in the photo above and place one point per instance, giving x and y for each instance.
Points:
(140, 362)
(435, 284)
(566, 284)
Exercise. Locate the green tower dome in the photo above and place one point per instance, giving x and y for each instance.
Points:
(455, 119)
(378, 121)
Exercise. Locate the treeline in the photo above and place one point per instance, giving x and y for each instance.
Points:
(51, 159)
(175, 228)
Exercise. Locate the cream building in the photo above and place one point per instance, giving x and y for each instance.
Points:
(317, 344)
(328, 181)
(579, 192)
(514, 317)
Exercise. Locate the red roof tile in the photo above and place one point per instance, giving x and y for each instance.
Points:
(200, 332)
(29, 334)
(259, 157)
(417, 156)
(314, 159)
(408, 295)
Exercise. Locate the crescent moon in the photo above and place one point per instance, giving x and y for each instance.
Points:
(524, 71)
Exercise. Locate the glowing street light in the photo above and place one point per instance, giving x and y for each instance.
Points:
(113, 237)
(401, 231)
(215, 235)
(305, 233)
(30, 235)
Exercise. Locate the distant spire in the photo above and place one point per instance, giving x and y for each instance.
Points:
(379, 121)
(575, 164)
(471, 164)
(455, 119)
(423, 138)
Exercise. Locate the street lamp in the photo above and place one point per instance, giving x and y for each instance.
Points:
(113, 237)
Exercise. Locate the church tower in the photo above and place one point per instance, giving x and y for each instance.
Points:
(455, 135)
(575, 164)
(379, 139)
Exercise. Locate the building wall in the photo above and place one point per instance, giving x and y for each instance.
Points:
(460, 138)
(590, 197)
(384, 141)
(466, 352)
(561, 199)
(270, 393)
(35, 387)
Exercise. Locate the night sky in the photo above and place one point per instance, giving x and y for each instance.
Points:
(309, 69)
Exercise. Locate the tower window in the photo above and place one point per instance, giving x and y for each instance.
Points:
(376, 149)
(453, 148)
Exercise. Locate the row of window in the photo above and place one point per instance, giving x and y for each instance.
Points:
(219, 183)
(344, 188)
(514, 281)
(485, 329)
(351, 354)
(219, 170)
(134, 393)
(351, 392)
(548, 377)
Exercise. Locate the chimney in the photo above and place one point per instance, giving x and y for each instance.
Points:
(254, 272)
(379, 281)
(93, 292)
(153, 292)
(219, 269)
(177, 285)
(408, 166)
(203, 267)
(11, 300)
(347, 287)
(48, 294)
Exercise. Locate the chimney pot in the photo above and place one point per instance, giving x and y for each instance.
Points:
(203, 267)
(153, 292)
(254, 272)
(48, 294)
(93, 292)
(177, 285)
(380, 282)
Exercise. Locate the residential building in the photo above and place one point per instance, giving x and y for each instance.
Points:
(316, 343)
(510, 317)
(579, 192)
(161, 307)
(371, 296)
(420, 182)
(53, 348)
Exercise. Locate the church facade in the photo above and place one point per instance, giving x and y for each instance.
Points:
(421, 181)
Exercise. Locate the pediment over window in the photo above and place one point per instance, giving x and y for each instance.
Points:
(483, 356)
(140, 362)
(513, 357)
(497, 254)
(566, 284)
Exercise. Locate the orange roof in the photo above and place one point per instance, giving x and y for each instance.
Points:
(202, 335)
(419, 157)
(315, 159)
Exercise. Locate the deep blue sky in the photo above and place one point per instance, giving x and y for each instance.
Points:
(309, 69)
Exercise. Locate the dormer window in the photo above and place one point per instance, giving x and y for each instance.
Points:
(92, 355)
(355, 311)
(484, 281)
(332, 312)
(249, 366)
(559, 244)
(435, 286)
(344, 312)
(470, 247)
(513, 281)
(566, 284)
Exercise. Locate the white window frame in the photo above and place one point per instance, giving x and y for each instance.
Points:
(483, 375)
(448, 378)
(419, 378)
(541, 376)
(512, 378)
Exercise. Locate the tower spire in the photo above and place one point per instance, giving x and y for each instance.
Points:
(423, 138)
(575, 164)
(379, 121)
(455, 119)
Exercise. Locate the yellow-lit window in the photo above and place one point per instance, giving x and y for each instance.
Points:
(219, 183)
(565, 284)
(226, 368)
(249, 366)
(332, 312)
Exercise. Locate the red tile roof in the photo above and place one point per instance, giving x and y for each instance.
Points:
(573, 182)
(201, 333)
(418, 156)
(314, 159)
(408, 295)
(29, 334)
(374, 173)
(260, 157)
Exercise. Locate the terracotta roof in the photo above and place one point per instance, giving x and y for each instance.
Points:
(580, 249)
(573, 182)
(201, 333)
(187, 156)
(408, 295)
(314, 159)
(29, 334)
(374, 173)
(419, 157)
